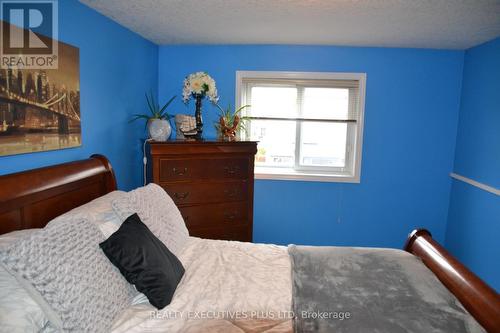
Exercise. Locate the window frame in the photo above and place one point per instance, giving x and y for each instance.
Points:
(305, 173)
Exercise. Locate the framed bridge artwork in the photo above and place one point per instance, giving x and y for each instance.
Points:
(39, 107)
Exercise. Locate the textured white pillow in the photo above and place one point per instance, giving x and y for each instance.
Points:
(158, 212)
(14, 236)
(18, 311)
(100, 212)
(65, 271)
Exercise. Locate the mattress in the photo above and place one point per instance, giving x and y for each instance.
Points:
(244, 287)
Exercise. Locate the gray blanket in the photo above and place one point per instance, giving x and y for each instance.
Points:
(340, 289)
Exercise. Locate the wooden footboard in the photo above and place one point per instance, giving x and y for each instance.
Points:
(475, 295)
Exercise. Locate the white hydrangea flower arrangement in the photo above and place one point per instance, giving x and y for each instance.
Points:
(199, 84)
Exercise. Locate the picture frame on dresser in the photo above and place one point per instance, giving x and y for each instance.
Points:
(211, 182)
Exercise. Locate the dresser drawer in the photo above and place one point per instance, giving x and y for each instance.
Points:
(213, 168)
(199, 192)
(215, 215)
(237, 233)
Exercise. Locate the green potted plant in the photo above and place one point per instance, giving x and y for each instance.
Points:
(230, 123)
(158, 120)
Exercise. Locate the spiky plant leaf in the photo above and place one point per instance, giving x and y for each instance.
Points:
(151, 109)
(163, 109)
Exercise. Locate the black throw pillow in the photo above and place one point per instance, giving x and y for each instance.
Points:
(144, 261)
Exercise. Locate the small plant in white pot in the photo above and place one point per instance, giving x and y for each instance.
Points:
(158, 121)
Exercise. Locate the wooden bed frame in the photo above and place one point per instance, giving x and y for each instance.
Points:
(30, 199)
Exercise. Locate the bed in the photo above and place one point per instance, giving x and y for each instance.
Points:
(33, 198)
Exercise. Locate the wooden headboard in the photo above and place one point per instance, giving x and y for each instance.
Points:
(30, 199)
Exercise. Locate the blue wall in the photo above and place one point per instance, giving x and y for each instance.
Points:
(478, 137)
(473, 229)
(412, 107)
(411, 118)
(116, 68)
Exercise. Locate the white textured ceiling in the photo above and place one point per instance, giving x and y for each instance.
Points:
(446, 24)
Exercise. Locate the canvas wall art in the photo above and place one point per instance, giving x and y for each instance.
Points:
(40, 108)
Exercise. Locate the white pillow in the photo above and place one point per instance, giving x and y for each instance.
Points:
(158, 212)
(13, 236)
(66, 272)
(100, 212)
(18, 310)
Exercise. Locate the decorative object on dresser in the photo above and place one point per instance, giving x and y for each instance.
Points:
(185, 126)
(211, 182)
(230, 123)
(199, 85)
(158, 121)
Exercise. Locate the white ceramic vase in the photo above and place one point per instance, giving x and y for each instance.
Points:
(159, 129)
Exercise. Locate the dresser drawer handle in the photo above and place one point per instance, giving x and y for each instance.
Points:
(232, 170)
(179, 172)
(230, 215)
(181, 196)
(231, 193)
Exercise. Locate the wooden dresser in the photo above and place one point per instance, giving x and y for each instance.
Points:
(211, 182)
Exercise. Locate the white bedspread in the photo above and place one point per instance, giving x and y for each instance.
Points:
(222, 279)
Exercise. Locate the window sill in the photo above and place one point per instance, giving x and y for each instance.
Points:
(302, 176)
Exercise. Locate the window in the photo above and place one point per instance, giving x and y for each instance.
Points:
(309, 125)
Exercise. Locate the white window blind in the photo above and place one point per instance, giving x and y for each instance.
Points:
(308, 125)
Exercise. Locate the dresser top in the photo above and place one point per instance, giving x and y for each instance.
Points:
(202, 142)
(200, 147)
